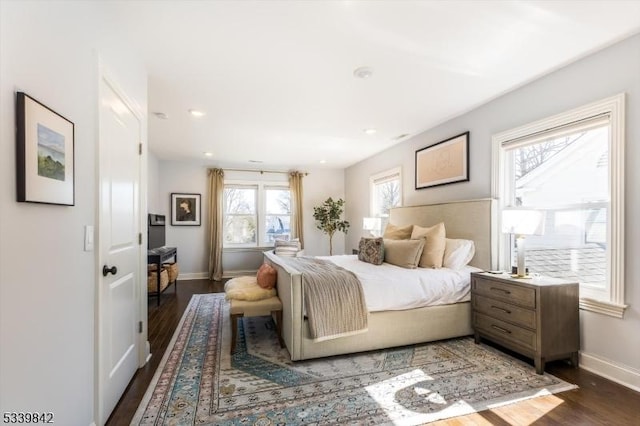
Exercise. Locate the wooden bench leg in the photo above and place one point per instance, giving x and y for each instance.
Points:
(278, 315)
(234, 331)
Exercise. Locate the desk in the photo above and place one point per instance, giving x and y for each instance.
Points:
(158, 257)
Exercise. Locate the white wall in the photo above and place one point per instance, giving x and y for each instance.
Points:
(191, 241)
(610, 346)
(154, 203)
(47, 282)
(318, 186)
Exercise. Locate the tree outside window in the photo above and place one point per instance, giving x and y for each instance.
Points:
(256, 214)
(385, 193)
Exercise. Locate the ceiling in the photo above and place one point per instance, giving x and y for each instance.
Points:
(276, 82)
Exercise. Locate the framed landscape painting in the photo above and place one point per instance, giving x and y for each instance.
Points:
(44, 154)
(185, 209)
(443, 163)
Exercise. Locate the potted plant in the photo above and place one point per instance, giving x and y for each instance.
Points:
(327, 217)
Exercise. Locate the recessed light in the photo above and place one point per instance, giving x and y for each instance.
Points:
(255, 161)
(161, 115)
(370, 131)
(363, 72)
(196, 113)
(323, 161)
(208, 154)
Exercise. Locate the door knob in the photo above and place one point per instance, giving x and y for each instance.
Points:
(106, 270)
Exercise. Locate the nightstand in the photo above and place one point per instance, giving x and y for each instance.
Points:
(536, 317)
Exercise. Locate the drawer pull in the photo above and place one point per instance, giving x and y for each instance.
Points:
(503, 330)
(500, 289)
(506, 311)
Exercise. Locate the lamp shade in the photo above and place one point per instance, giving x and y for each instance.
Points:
(523, 221)
(372, 224)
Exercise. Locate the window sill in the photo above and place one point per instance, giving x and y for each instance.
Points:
(245, 249)
(602, 307)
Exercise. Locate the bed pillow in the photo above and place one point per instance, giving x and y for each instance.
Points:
(287, 248)
(393, 232)
(266, 276)
(403, 253)
(246, 288)
(433, 252)
(458, 253)
(371, 250)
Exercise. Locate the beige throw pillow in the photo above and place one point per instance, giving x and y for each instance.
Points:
(403, 253)
(393, 232)
(433, 252)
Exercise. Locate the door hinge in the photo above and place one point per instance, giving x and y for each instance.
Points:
(139, 238)
(139, 149)
(140, 327)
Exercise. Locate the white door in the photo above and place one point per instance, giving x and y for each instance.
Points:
(119, 247)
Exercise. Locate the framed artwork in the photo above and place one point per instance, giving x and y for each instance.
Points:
(185, 209)
(443, 163)
(44, 154)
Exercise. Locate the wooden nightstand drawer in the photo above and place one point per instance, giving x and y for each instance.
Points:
(538, 317)
(507, 292)
(504, 331)
(505, 311)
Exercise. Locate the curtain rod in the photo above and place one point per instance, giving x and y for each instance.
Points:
(259, 171)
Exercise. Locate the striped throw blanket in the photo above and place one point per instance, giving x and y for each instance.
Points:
(333, 299)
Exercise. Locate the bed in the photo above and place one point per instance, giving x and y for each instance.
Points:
(474, 220)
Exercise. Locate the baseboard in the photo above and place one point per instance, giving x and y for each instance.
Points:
(193, 276)
(205, 275)
(233, 274)
(622, 374)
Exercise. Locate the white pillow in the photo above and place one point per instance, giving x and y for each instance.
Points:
(458, 253)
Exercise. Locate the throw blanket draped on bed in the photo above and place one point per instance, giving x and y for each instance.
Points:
(333, 299)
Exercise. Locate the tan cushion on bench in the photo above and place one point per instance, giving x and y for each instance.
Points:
(256, 308)
(247, 288)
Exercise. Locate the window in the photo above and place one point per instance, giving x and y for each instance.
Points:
(240, 215)
(256, 214)
(277, 214)
(571, 166)
(386, 192)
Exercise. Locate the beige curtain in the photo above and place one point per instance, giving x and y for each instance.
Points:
(295, 185)
(216, 199)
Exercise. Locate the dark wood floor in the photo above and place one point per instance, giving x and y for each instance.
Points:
(597, 401)
(163, 321)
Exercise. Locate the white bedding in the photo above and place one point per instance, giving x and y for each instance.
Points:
(391, 288)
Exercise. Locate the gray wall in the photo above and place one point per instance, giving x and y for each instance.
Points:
(610, 346)
(191, 241)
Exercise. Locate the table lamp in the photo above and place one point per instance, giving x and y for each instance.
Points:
(372, 225)
(521, 222)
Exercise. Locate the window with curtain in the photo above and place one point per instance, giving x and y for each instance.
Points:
(256, 214)
(277, 214)
(569, 167)
(385, 192)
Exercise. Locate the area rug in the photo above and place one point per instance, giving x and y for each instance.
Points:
(199, 383)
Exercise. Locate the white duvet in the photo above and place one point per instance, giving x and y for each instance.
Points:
(391, 288)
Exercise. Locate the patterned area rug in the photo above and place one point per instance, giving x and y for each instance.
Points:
(199, 383)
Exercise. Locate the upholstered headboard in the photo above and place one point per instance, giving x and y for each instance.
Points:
(472, 220)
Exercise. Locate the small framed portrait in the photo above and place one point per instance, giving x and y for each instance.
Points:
(185, 209)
